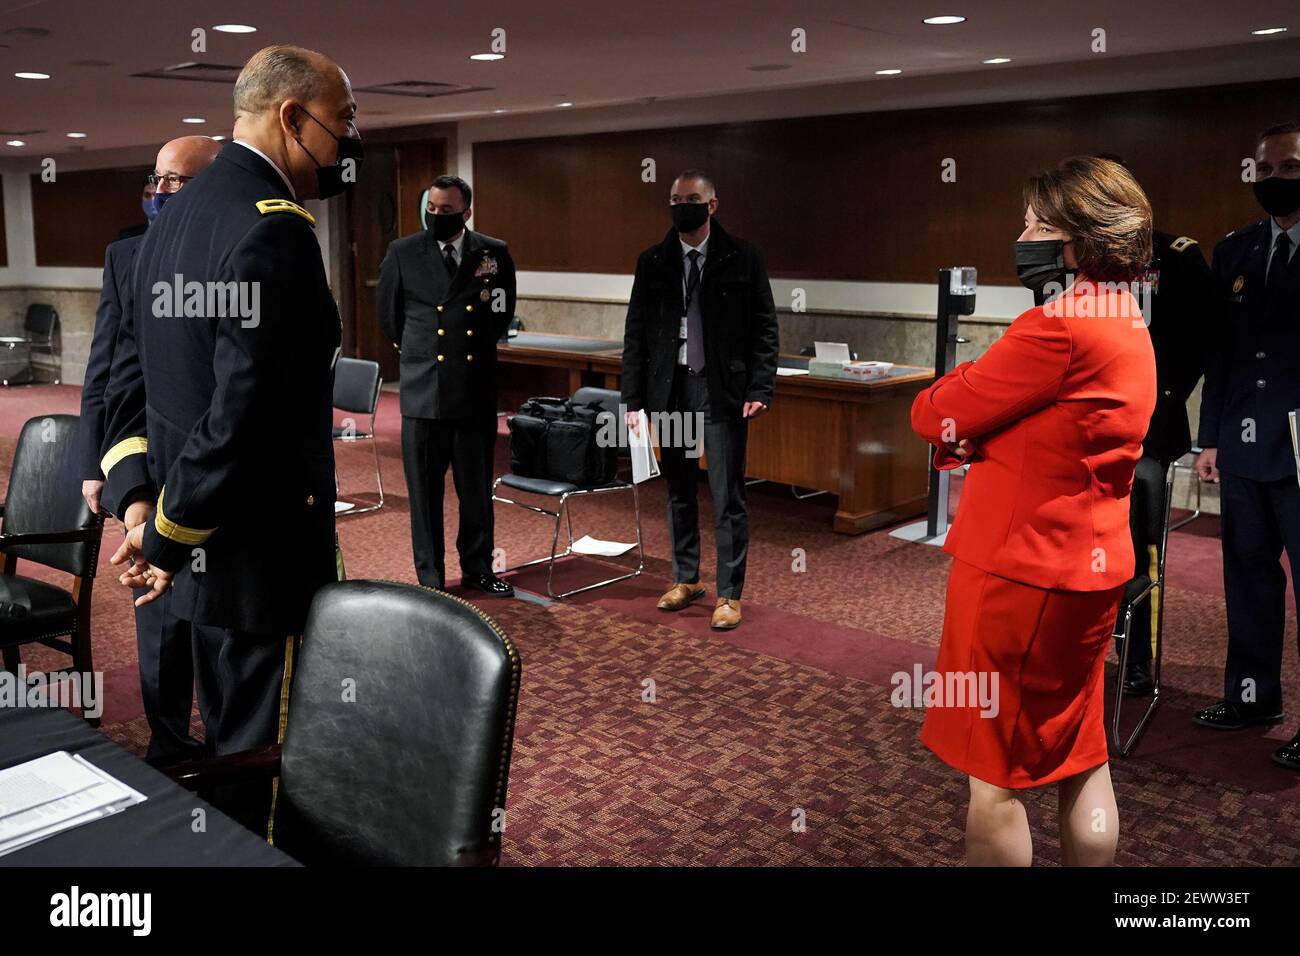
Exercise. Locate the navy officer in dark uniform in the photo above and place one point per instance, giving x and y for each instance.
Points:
(162, 642)
(445, 296)
(237, 334)
(1252, 382)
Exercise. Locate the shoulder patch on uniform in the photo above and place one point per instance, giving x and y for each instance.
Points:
(267, 206)
(1181, 243)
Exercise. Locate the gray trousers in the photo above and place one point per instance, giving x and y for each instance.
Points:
(724, 443)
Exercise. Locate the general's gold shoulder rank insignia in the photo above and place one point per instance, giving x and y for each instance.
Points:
(268, 206)
(1181, 243)
(1237, 283)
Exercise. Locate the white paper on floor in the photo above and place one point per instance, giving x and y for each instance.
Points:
(605, 549)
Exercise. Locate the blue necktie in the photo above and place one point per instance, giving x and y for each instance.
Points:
(694, 320)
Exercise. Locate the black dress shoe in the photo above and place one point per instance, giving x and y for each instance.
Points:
(1227, 716)
(1288, 755)
(1137, 679)
(490, 584)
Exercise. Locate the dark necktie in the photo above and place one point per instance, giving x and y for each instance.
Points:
(449, 257)
(1281, 259)
(694, 320)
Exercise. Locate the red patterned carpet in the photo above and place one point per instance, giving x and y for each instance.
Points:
(787, 717)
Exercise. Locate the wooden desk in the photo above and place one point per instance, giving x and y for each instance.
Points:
(851, 439)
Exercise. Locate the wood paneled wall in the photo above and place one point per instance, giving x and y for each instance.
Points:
(4, 249)
(80, 213)
(860, 196)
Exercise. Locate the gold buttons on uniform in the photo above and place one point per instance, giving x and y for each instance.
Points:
(442, 331)
(439, 308)
(311, 500)
(469, 308)
(469, 331)
(469, 358)
(439, 358)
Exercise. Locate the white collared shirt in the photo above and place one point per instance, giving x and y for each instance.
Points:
(292, 192)
(686, 274)
(1274, 231)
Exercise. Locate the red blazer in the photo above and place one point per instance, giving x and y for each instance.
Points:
(1056, 409)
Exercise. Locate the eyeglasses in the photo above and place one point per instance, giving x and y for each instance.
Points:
(172, 180)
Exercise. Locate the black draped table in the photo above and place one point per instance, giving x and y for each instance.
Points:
(158, 832)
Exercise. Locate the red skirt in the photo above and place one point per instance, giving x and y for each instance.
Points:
(1041, 653)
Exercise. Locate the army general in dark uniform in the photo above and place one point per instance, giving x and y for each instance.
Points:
(445, 296)
(223, 431)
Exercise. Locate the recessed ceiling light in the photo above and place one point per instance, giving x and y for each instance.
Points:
(888, 72)
(943, 21)
(15, 142)
(76, 135)
(218, 138)
(234, 28)
(499, 111)
(193, 119)
(1267, 31)
(999, 59)
(32, 76)
(487, 56)
(565, 103)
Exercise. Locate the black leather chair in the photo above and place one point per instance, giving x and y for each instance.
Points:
(41, 327)
(47, 522)
(1145, 593)
(400, 729)
(356, 390)
(610, 401)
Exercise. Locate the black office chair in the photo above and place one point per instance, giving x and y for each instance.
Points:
(356, 390)
(41, 327)
(1145, 593)
(610, 401)
(410, 768)
(47, 522)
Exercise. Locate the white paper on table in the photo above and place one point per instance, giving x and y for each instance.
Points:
(53, 793)
(640, 445)
(781, 370)
(605, 549)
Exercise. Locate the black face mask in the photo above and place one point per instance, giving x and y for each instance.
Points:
(689, 216)
(330, 180)
(1277, 196)
(445, 226)
(1040, 262)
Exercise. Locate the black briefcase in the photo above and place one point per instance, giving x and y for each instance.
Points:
(553, 438)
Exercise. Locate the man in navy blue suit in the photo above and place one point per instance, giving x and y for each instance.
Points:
(1252, 382)
(166, 664)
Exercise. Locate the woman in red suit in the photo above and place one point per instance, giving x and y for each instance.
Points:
(1051, 419)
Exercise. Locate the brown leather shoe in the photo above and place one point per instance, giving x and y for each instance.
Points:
(726, 614)
(680, 595)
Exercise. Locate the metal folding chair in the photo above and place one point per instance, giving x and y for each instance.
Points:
(609, 400)
(356, 390)
(1152, 493)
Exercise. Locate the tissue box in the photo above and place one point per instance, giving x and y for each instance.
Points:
(853, 371)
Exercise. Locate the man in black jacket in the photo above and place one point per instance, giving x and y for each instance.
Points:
(162, 642)
(701, 344)
(446, 295)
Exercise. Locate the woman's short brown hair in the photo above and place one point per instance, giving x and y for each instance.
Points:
(1103, 209)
